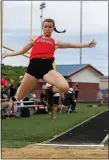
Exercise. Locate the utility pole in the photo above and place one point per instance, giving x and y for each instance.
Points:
(80, 31)
(42, 6)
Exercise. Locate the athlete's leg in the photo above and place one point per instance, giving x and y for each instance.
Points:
(28, 84)
(57, 80)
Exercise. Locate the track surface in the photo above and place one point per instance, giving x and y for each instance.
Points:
(90, 132)
(93, 131)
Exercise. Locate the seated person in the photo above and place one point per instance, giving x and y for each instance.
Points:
(69, 100)
(33, 98)
(5, 103)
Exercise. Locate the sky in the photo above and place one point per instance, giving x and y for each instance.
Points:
(67, 16)
(95, 14)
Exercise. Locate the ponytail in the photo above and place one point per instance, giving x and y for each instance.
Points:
(59, 31)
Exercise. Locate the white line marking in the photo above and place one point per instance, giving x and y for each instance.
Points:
(105, 139)
(67, 145)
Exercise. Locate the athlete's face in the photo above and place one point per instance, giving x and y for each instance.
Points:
(47, 28)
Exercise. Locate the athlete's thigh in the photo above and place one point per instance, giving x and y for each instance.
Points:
(55, 79)
(28, 84)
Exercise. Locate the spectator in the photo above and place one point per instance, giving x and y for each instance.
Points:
(69, 97)
(53, 99)
(70, 100)
(106, 96)
(4, 80)
(49, 97)
(33, 98)
(76, 91)
(62, 106)
(12, 89)
(43, 95)
(100, 98)
(4, 92)
(5, 103)
(20, 80)
(56, 98)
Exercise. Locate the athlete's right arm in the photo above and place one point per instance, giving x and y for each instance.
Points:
(27, 47)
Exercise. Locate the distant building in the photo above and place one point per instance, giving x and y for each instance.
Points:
(104, 82)
(86, 75)
(104, 87)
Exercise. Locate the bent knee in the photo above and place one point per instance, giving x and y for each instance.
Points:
(64, 87)
(19, 97)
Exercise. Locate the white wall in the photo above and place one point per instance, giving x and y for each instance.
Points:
(104, 85)
(104, 82)
(87, 75)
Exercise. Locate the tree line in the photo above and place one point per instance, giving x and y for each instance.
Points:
(13, 72)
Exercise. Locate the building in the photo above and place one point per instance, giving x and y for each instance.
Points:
(86, 75)
(104, 87)
(104, 82)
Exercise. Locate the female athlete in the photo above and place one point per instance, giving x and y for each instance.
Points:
(41, 59)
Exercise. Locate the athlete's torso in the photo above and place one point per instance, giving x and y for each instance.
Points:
(43, 48)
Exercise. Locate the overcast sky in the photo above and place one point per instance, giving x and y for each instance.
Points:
(66, 15)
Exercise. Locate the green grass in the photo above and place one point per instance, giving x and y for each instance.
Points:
(18, 132)
(107, 142)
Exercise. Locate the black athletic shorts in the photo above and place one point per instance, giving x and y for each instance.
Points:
(56, 100)
(39, 67)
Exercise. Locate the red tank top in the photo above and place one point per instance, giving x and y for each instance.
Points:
(43, 48)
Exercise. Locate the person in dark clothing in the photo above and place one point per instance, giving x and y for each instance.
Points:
(5, 103)
(52, 101)
(50, 94)
(12, 89)
(76, 91)
(43, 95)
(70, 100)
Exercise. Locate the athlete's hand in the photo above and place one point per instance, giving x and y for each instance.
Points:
(4, 55)
(92, 44)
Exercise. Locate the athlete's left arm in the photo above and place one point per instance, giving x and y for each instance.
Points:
(61, 44)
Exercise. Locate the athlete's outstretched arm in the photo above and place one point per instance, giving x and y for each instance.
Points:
(27, 47)
(61, 44)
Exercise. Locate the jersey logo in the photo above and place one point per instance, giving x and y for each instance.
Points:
(45, 41)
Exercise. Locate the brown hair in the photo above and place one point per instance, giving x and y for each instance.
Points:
(53, 22)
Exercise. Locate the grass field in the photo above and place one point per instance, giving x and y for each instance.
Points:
(18, 132)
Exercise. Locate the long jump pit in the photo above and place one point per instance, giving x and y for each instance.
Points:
(42, 151)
